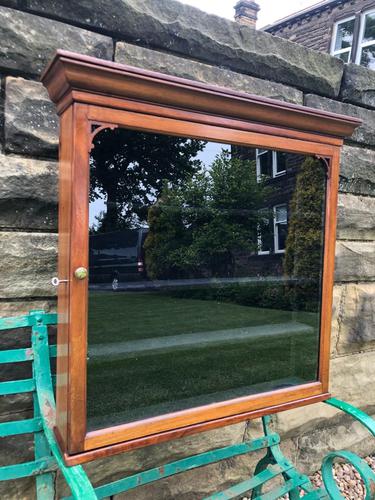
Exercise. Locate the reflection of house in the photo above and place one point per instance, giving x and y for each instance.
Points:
(344, 28)
(272, 234)
(278, 170)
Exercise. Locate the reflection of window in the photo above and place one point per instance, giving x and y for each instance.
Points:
(280, 223)
(271, 238)
(270, 163)
(366, 46)
(265, 240)
(342, 41)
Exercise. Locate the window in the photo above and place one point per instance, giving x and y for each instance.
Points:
(366, 46)
(265, 239)
(270, 163)
(272, 235)
(342, 40)
(160, 203)
(360, 50)
(264, 163)
(280, 224)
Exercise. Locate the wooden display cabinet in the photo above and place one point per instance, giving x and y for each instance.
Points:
(99, 101)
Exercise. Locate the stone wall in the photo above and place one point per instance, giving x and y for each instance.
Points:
(174, 38)
(314, 29)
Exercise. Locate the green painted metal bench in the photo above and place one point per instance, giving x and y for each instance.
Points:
(48, 459)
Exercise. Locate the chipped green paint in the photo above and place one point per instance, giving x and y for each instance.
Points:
(75, 476)
(16, 356)
(184, 465)
(17, 386)
(26, 469)
(20, 427)
(29, 320)
(48, 457)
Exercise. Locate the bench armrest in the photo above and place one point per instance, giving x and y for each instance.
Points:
(354, 412)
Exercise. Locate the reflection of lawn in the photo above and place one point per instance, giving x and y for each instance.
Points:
(115, 386)
(139, 386)
(116, 317)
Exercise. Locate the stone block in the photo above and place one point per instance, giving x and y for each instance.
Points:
(152, 456)
(28, 42)
(348, 435)
(10, 3)
(193, 70)
(358, 85)
(21, 307)
(28, 193)
(198, 483)
(31, 122)
(20, 489)
(355, 261)
(15, 450)
(176, 27)
(351, 379)
(357, 171)
(16, 407)
(354, 318)
(356, 219)
(365, 133)
(28, 262)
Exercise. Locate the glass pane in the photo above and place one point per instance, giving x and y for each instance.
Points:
(368, 57)
(280, 162)
(281, 213)
(282, 233)
(265, 163)
(183, 310)
(265, 238)
(344, 35)
(369, 32)
(344, 56)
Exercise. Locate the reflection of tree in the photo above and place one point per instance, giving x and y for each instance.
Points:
(128, 167)
(199, 226)
(304, 243)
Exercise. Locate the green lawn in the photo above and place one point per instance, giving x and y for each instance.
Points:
(146, 386)
(117, 317)
(121, 390)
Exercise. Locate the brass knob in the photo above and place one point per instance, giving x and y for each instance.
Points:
(81, 273)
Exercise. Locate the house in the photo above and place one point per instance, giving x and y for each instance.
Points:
(343, 28)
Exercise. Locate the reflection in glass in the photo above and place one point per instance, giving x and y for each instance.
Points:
(369, 31)
(344, 56)
(205, 273)
(368, 57)
(344, 36)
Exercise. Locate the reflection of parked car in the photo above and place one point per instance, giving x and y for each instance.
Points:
(117, 256)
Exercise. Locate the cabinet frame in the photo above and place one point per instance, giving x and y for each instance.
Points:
(88, 93)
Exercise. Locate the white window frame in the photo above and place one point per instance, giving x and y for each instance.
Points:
(276, 228)
(361, 44)
(334, 52)
(275, 173)
(260, 251)
(274, 166)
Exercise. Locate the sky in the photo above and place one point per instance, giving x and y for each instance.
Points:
(270, 10)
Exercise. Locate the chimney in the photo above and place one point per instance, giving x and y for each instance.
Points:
(246, 12)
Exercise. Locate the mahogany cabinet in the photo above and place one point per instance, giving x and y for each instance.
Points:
(196, 255)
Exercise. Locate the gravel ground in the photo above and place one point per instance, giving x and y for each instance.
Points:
(348, 480)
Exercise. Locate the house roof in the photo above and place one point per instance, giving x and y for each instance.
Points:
(313, 9)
